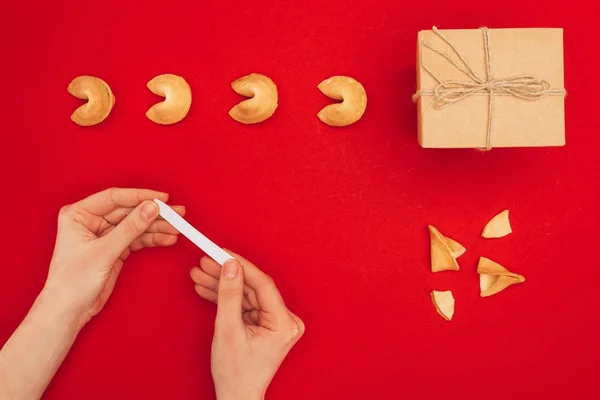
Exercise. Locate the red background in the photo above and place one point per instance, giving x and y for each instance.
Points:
(337, 216)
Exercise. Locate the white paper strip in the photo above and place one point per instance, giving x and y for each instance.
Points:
(187, 230)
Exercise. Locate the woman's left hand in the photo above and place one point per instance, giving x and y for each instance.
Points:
(95, 237)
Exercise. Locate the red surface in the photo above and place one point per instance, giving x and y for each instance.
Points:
(337, 216)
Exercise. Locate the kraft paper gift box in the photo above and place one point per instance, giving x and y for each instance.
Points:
(486, 88)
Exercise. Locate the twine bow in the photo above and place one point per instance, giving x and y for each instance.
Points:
(451, 91)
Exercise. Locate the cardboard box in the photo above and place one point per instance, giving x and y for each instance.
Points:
(520, 103)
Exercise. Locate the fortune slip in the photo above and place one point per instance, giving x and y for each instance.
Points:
(485, 88)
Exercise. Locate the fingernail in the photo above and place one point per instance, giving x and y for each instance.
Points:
(230, 269)
(149, 210)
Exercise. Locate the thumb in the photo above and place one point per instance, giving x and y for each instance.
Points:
(136, 223)
(230, 297)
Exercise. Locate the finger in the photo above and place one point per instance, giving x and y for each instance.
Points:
(210, 282)
(153, 240)
(134, 225)
(246, 306)
(230, 298)
(212, 296)
(107, 230)
(206, 294)
(103, 227)
(268, 296)
(300, 324)
(125, 254)
(116, 216)
(210, 266)
(162, 227)
(251, 317)
(202, 278)
(250, 295)
(109, 200)
(158, 226)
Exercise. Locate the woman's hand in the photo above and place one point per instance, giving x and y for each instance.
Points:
(95, 236)
(254, 330)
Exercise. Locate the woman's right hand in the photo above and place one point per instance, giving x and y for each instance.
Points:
(254, 330)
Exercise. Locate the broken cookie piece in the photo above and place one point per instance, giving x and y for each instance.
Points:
(444, 251)
(498, 227)
(494, 278)
(444, 303)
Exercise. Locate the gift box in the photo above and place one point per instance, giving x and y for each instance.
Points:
(486, 88)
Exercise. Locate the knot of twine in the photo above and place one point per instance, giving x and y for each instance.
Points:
(449, 92)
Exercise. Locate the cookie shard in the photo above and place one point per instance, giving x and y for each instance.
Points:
(456, 248)
(444, 303)
(497, 227)
(494, 278)
(444, 251)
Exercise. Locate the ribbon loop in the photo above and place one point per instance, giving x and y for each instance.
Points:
(523, 87)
